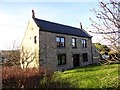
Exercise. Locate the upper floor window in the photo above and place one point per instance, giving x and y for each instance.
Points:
(35, 39)
(84, 43)
(74, 45)
(85, 57)
(60, 41)
(61, 59)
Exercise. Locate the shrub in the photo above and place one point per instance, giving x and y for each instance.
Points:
(15, 77)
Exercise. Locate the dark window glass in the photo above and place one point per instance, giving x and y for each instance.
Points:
(61, 59)
(3, 57)
(60, 41)
(74, 43)
(84, 43)
(35, 39)
(85, 57)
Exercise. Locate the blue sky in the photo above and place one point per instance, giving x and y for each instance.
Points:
(14, 17)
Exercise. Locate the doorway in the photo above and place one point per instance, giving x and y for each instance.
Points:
(76, 60)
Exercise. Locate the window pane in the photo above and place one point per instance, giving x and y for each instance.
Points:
(62, 40)
(57, 39)
(58, 62)
(58, 44)
(84, 43)
(73, 39)
(35, 39)
(85, 57)
(73, 42)
(61, 59)
(62, 44)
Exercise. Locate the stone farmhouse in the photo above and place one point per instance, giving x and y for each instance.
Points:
(55, 46)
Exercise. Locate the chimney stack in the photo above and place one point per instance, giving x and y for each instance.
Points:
(81, 25)
(33, 14)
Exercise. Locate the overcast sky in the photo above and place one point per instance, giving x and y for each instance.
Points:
(14, 16)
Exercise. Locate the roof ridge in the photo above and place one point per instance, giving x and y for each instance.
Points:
(59, 24)
(60, 28)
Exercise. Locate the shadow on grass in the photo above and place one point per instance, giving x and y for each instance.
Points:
(55, 82)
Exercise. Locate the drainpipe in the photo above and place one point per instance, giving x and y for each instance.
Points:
(91, 51)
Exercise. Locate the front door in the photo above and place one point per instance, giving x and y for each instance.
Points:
(75, 60)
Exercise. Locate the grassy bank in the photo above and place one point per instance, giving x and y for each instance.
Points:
(104, 76)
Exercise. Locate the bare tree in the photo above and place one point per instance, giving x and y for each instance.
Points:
(108, 24)
(18, 57)
(11, 57)
(28, 57)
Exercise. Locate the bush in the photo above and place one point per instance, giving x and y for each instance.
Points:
(15, 77)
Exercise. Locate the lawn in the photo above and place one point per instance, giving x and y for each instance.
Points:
(104, 76)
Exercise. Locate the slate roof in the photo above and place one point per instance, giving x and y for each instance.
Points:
(59, 28)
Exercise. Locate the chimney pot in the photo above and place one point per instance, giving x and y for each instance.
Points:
(81, 25)
(33, 14)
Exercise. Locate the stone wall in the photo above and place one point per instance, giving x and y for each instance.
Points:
(96, 55)
(46, 51)
(29, 49)
(49, 50)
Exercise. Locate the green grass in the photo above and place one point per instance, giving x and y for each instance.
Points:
(104, 76)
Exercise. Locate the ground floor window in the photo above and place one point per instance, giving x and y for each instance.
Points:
(85, 57)
(61, 59)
